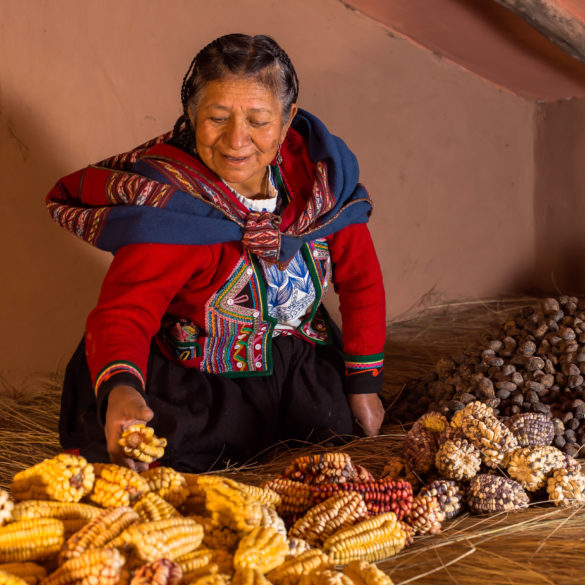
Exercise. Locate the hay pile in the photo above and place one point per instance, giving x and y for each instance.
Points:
(540, 545)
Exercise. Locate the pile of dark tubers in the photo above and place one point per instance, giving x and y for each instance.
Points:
(534, 362)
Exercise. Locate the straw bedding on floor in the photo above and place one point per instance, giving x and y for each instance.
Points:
(540, 545)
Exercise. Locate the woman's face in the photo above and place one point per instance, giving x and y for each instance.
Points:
(238, 127)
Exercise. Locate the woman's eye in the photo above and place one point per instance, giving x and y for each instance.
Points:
(218, 120)
(257, 123)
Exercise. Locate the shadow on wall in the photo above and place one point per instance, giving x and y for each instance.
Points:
(45, 270)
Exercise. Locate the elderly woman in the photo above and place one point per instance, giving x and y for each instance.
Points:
(227, 233)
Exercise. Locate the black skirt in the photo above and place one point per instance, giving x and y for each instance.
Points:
(211, 421)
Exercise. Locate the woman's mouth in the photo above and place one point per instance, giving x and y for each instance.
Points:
(236, 159)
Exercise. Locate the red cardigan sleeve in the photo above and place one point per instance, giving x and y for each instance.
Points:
(357, 279)
(137, 290)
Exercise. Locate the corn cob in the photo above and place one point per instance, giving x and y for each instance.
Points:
(450, 496)
(271, 518)
(433, 422)
(488, 494)
(159, 572)
(380, 495)
(30, 573)
(101, 566)
(10, 579)
(201, 558)
(216, 536)
(531, 466)
(171, 538)
(296, 498)
(371, 540)
(249, 576)
(324, 519)
(483, 429)
(362, 573)
(531, 429)
(263, 549)
(291, 571)
(30, 540)
(140, 443)
(151, 507)
(168, 484)
(117, 486)
(65, 478)
(326, 577)
(99, 532)
(231, 506)
(458, 459)
(321, 468)
(362, 474)
(6, 507)
(73, 515)
(566, 487)
(426, 515)
(421, 442)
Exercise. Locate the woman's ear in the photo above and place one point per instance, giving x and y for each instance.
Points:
(286, 126)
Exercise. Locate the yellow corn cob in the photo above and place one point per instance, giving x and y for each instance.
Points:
(195, 501)
(291, 571)
(10, 579)
(363, 573)
(65, 478)
(30, 573)
(263, 549)
(322, 520)
(371, 540)
(296, 497)
(171, 538)
(271, 518)
(30, 540)
(73, 515)
(99, 532)
(159, 572)
(116, 486)
(230, 506)
(217, 536)
(199, 483)
(325, 577)
(101, 566)
(140, 443)
(151, 507)
(211, 570)
(203, 557)
(249, 576)
(6, 507)
(168, 484)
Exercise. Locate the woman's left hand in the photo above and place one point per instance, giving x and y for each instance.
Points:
(368, 412)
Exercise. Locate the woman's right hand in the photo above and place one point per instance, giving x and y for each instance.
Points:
(126, 407)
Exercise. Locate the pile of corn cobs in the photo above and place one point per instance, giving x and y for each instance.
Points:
(532, 363)
(477, 460)
(324, 520)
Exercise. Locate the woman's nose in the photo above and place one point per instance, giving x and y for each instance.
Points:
(236, 134)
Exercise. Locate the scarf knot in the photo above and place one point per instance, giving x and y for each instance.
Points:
(262, 235)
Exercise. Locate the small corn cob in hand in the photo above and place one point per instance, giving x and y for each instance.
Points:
(64, 478)
(140, 443)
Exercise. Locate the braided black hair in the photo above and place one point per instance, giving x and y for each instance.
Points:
(259, 57)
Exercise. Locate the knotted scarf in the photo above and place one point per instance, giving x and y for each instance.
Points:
(157, 193)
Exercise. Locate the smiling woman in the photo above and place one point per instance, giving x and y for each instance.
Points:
(226, 232)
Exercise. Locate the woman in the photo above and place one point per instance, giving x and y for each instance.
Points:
(226, 234)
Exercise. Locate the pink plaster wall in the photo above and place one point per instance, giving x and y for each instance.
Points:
(447, 155)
